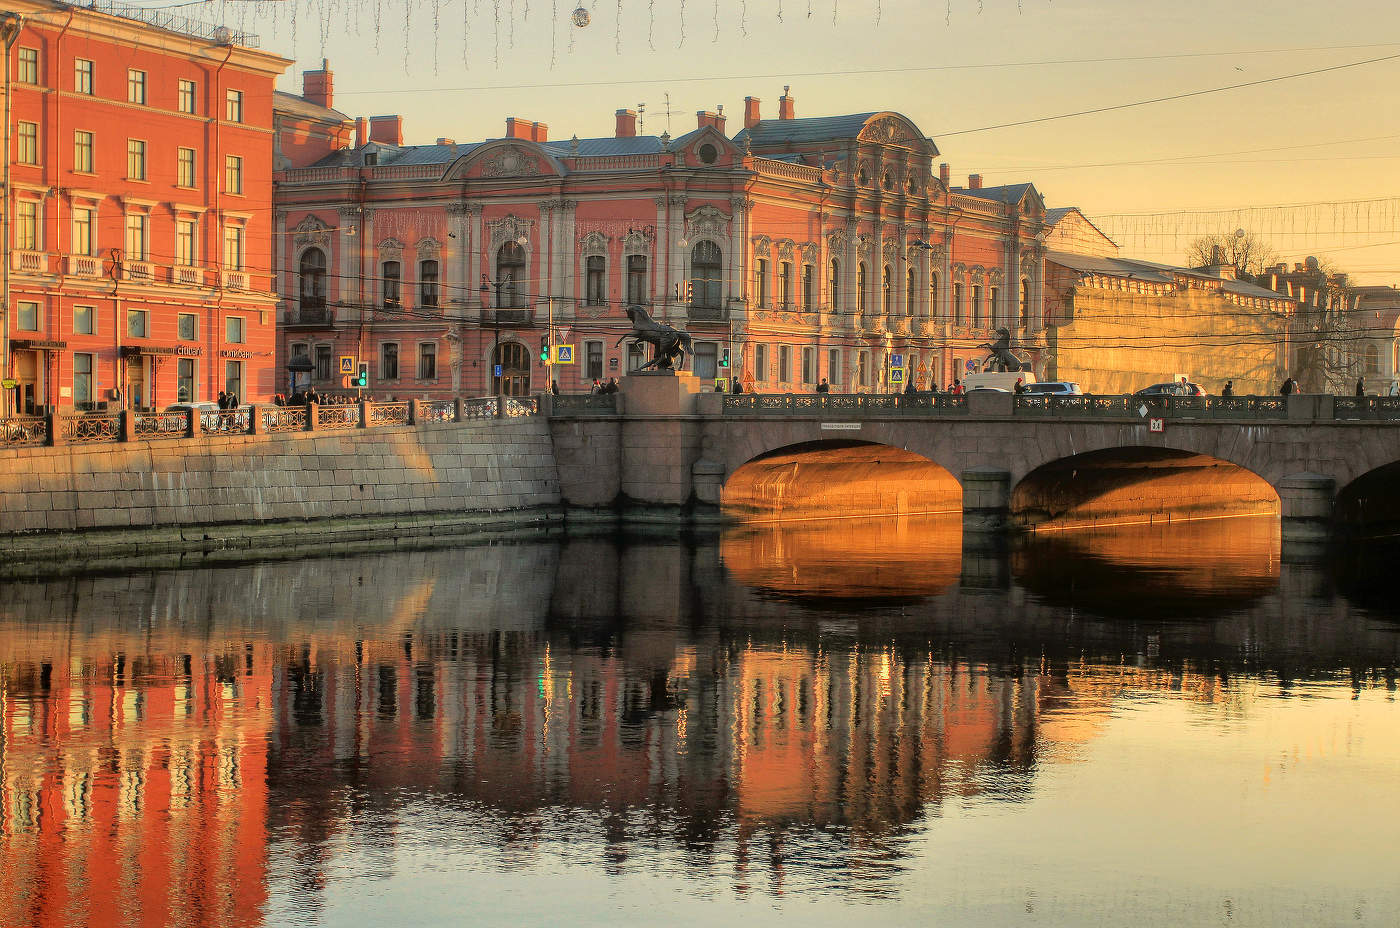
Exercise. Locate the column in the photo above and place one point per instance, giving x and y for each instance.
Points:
(342, 285)
(457, 281)
(986, 500)
(899, 270)
(662, 285)
(738, 248)
(1305, 503)
(848, 273)
(548, 275)
(474, 248)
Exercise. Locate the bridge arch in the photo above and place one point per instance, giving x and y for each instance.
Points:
(1370, 504)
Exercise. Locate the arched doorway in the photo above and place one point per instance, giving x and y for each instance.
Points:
(514, 362)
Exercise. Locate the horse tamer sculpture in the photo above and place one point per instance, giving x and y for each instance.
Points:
(1001, 358)
(667, 343)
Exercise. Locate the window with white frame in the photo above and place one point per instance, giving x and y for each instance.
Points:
(235, 331)
(135, 159)
(233, 106)
(186, 242)
(82, 151)
(808, 288)
(233, 174)
(593, 355)
(993, 297)
(82, 243)
(184, 167)
(428, 284)
(323, 361)
(135, 86)
(188, 100)
(911, 292)
(760, 281)
(27, 316)
(958, 313)
(833, 365)
(82, 76)
(596, 280)
(233, 248)
(809, 365)
(27, 225)
(933, 295)
(184, 380)
(427, 361)
(784, 284)
(706, 360)
(833, 285)
(392, 282)
(1025, 303)
(861, 287)
(863, 368)
(976, 304)
(636, 279)
(187, 327)
(84, 320)
(82, 378)
(706, 274)
(136, 236)
(27, 70)
(887, 290)
(27, 143)
(389, 361)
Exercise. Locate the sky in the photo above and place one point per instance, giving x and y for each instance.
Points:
(1211, 162)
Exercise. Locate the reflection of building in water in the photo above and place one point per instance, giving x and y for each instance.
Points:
(133, 786)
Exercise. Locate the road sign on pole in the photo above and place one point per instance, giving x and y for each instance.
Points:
(498, 370)
(896, 360)
(896, 375)
(563, 354)
(347, 364)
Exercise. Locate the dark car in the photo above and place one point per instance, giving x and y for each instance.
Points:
(1172, 388)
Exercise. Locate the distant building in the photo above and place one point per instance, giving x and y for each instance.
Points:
(138, 246)
(1378, 310)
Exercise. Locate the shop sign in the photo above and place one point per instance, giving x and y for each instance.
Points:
(238, 354)
(36, 344)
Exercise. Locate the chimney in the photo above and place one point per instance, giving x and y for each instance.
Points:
(316, 86)
(540, 132)
(704, 118)
(751, 116)
(974, 182)
(785, 104)
(361, 135)
(945, 173)
(386, 129)
(517, 128)
(626, 124)
(442, 141)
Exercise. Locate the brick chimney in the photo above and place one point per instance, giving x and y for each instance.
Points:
(704, 118)
(316, 86)
(540, 132)
(945, 173)
(517, 128)
(974, 182)
(626, 124)
(361, 132)
(786, 104)
(751, 116)
(387, 129)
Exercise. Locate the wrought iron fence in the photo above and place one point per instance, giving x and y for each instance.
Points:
(89, 429)
(338, 417)
(224, 420)
(1366, 407)
(162, 424)
(1089, 406)
(518, 407)
(437, 411)
(284, 419)
(584, 402)
(483, 408)
(874, 404)
(388, 414)
(24, 431)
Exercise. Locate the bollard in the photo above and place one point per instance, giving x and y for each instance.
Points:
(413, 414)
(128, 425)
(364, 413)
(311, 415)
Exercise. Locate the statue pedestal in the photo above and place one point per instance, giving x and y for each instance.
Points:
(659, 393)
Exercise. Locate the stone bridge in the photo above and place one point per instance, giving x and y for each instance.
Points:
(1313, 459)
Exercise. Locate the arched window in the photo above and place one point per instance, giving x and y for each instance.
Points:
(910, 292)
(860, 287)
(706, 274)
(510, 276)
(1025, 303)
(887, 290)
(428, 284)
(596, 280)
(933, 295)
(833, 285)
(313, 281)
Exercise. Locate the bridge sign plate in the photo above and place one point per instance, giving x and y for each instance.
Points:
(841, 426)
(1156, 425)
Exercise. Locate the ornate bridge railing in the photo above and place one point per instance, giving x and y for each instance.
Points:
(90, 429)
(1366, 407)
(846, 404)
(24, 431)
(388, 414)
(573, 403)
(162, 424)
(1160, 407)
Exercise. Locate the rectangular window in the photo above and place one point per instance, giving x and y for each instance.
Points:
(992, 294)
(233, 380)
(595, 284)
(392, 276)
(784, 364)
(833, 365)
(82, 231)
(234, 330)
(636, 279)
(187, 327)
(976, 304)
(233, 110)
(233, 248)
(82, 379)
(184, 167)
(323, 361)
(809, 365)
(83, 320)
(808, 285)
(389, 361)
(135, 86)
(233, 174)
(135, 159)
(135, 237)
(82, 151)
(137, 323)
(428, 284)
(863, 368)
(958, 315)
(187, 97)
(27, 316)
(27, 225)
(184, 380)
(706, 361)
(186, 242)
(593, 351)
(427, 361)
(760, 281)
(28, 71)
(760, 363)
(784, 284)
(27, 143)
(82, 76)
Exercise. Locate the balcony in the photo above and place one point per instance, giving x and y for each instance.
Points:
(706, 314)
(187, 276)
(510, 318)
(84, 266)
(235, 280)
(143, 271)
(30, 262)
(313, 316)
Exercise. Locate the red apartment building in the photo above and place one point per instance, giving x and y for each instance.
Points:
(800, 249)
(139, 203)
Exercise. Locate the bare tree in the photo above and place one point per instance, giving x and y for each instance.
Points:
(1246, 252)
(1327, 329)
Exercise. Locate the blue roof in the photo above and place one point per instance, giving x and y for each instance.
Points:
(800, 131)
(1010, 193)
(590, 148)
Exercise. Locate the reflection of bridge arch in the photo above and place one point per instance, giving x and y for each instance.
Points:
(1370, 504)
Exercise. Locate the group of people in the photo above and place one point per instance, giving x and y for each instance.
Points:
(609, 386)
(228, 401)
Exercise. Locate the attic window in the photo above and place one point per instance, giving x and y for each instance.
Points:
(371, 158)
(708, 154)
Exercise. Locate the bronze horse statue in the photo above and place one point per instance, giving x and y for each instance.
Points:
(1001, 358)
(667, 343)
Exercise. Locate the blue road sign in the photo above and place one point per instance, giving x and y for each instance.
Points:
(498, 370)
(897, 375)
(896, 360)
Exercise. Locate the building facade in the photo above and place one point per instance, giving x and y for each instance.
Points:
(138, 207)
(795, 251)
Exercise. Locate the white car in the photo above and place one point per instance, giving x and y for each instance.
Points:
(1056, 387)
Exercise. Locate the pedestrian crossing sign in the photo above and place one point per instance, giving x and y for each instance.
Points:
(897, 375)
(563, 354)
(347, 364)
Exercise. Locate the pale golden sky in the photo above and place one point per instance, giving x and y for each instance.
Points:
(1326, 138)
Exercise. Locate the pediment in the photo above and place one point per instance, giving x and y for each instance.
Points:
(897, 131)
(694, 143)
(506, 159)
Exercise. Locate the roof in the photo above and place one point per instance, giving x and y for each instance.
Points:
(591, 148)
(1010, 193)
(300, 106)
(396, 154)
(1152, 272)
(799, 131)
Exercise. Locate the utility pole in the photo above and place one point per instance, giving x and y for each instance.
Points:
(10, 26)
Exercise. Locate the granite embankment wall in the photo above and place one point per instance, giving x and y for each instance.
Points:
(241, 490)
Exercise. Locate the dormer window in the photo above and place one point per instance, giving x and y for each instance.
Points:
(371, 158)
(708, 153)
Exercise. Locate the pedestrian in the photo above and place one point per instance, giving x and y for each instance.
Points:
(1360, 387)
(824, 387)
(738, 387)
(1229, 388)
(611, 386)
(1020, 385)
(223, 401)
(957, 387)
(312, 396)
(554, 388)
(909, 387)
(1286, 388)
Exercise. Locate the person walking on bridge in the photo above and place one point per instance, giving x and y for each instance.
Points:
(1360, 386)
(1229, 388)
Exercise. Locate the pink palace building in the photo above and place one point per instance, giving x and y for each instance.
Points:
(796, 250)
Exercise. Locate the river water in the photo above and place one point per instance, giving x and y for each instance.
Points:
(840, 723)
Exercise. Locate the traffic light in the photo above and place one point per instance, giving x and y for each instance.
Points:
(362, 377)
(724, 358)
(689, 292)
(544, 348)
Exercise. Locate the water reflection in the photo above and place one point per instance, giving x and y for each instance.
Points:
(351, 739)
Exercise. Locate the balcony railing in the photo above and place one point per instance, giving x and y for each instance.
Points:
(308, 315)
(84, 266)
(188, 275)
(508, 317)
(706, 313)
(235, 280)
(139, 270)
(30, 262)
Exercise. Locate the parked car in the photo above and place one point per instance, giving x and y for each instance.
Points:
(1172, 388)
(1056, 387)
(988, 390)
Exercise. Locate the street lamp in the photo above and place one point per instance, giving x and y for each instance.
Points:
(486, 285)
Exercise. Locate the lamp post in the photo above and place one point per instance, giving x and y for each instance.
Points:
(486, 286)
